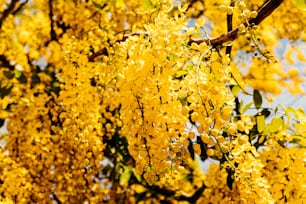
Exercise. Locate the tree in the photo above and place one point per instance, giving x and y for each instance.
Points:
(96, 97)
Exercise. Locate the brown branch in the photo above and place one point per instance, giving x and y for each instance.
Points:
(92, 57)
(20, 7)
(11, 9)
(7, 11)
(52, 31)
(263, 12)
(103, 51)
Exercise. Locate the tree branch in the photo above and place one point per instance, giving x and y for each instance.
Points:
(92, 57)
(11, 9)
(52, 31)
(20, 7)
(7, 11)
(263, 12)
(103, 51)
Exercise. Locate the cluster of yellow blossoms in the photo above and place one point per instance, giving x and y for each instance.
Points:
(120, 102)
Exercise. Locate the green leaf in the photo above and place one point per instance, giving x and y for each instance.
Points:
(138, 177)
(261, 123)
(22, 78)
(241, 106)
(97, 5)
(125, 176)
(291, 110)
(35, 79)
(147, 4)
(17, 73)
(4, 91)
(8, 74)
(246, 107)
(236, 90)
(265, 112)
(56, 84)
(276, 110)
(170, 57)
(285, 110)
(275, 124)
(257, 98)
(183, 100)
